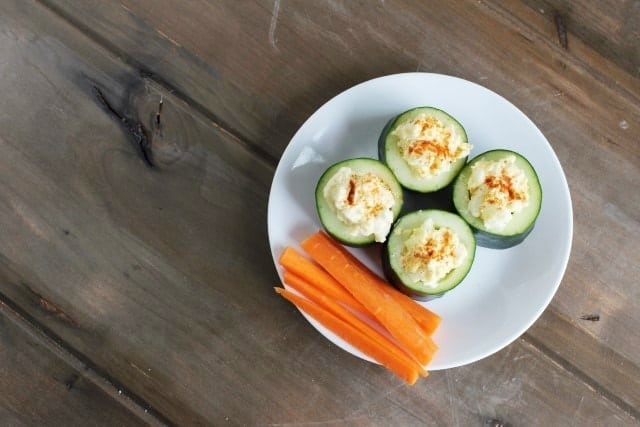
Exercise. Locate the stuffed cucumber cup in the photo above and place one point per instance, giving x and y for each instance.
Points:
(358, 200)
(498, 193)
(428, 253)
(425, 148)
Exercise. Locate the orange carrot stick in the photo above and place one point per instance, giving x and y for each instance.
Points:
(377, 301)
(352, 336)
(427, 319)
(303, 267)
(336, 309)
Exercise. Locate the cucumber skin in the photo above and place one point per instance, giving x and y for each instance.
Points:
(494, 241)
(441, 199)
(382, 140)
(347, 242)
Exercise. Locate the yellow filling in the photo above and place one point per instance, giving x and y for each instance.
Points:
(363, 202)
(428, 146)
(498, 190)
(430, 253)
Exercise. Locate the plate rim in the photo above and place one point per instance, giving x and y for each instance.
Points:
(507, 340)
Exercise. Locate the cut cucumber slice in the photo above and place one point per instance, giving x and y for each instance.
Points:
(389, 152)
(521, 223)
(332, 224)
(393, 250)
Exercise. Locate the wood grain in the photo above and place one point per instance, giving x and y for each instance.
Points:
(585, 99)
(172, 260)
(350, 44)
(588, 358)
(609, 27)
(161, 277)
(38, 388)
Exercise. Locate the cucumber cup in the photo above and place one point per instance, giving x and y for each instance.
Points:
(516, 225)
(358, 200)
(411, 253)
(425, 148)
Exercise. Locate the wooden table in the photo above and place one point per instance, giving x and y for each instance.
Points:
(135, 272)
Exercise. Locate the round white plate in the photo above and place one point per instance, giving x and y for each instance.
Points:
(506, 290)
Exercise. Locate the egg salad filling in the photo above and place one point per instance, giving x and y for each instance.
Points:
(428, 146)
(498, 190)
(363, 202)
(430, 253)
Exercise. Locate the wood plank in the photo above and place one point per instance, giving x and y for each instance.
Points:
(504, 389)
(539, 23)
(39, 388)
(609, 27)
(585, 100)
(587, 357)
(162, 276)
(600, 286)
(508, 389)
(268, 99)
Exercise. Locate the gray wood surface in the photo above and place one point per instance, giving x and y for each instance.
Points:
(159, 278)
(40, 388)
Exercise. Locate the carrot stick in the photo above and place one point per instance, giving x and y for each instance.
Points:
(427, 319)
(377, 301)
(352, 336)
(336, 309)
(301, 266)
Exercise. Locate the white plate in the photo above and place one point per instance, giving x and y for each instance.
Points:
(506, 290)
